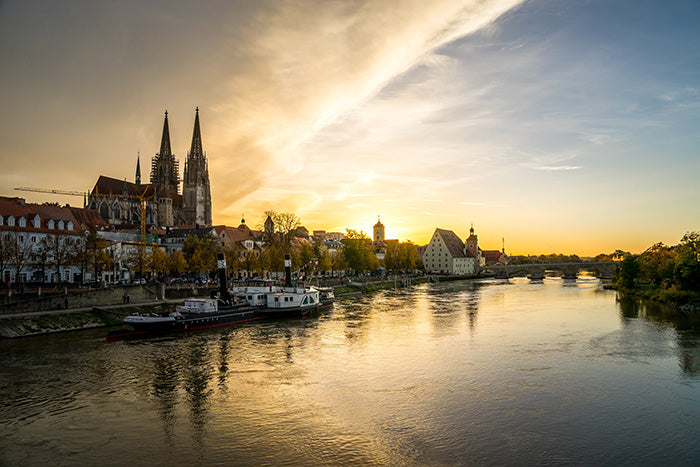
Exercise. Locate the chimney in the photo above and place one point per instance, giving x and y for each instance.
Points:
(223, 286)
(288, 270)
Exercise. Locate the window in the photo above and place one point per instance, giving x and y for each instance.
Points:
(22, 222)
(60, 225)
(33, 238)
(69, 226)
(1, 219)
(37, 222)
(50, 224)
(11, 221)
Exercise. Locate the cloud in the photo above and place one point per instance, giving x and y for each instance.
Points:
(266, 75)
(555, 168)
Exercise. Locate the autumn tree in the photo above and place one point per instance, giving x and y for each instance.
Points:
(358, 252)
(200, 253)
(178, 262)
(139, 261)
(158, 261)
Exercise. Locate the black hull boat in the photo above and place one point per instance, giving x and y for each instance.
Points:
(196, 314)
(254, 302)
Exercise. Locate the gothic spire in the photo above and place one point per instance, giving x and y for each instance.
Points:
(196, 148)
(165, 140)
(138, 169)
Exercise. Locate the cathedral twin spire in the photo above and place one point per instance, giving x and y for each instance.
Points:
(195, 203)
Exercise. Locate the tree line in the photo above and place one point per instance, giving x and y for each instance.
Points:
(91, 253)
(674, 267)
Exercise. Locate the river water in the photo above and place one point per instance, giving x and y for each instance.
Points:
(441, 374)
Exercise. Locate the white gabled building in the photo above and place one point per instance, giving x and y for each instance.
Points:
(36, 241)
(447, 254)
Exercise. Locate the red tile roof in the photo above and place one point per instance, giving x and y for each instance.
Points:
(453, 242)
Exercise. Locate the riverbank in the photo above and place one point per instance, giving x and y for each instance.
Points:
(49, 322)
(682, 301)
(35, 323)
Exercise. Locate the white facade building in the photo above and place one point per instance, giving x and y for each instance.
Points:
(36, 242)
(447, 254)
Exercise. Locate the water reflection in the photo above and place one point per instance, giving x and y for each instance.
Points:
(492, 372)
(686, 327)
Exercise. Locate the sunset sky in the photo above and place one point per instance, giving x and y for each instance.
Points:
(565, 126)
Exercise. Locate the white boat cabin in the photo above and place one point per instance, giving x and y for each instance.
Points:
(292, 298)
(199, 305)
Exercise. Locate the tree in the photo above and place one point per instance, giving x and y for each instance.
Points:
(96, 254)
(250, 261)
(656, 263)
(358, 252)
(285, 222)
(40, 258)
(628, 271)
(20, 252)
(200, 252)
(158, 261)
(61, 251)
(138, 261)
(6, 248)
(178, 262)
(686, 271)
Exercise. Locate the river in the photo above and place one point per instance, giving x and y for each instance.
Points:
(453, 373)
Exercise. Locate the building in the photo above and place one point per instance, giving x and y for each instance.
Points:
(120, 202)
(38, 242)
(447, 254)
(379, 240)
(493, 257)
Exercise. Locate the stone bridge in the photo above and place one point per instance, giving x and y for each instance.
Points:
(602, 270)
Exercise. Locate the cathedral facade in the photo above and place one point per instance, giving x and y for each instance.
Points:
(124, 203)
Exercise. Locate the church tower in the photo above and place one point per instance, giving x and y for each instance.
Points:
(195, 188)
(164, 175)
(164, 168)
(378, 231)
(138, 170)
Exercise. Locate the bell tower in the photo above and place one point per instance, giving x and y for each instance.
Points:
(196, 190)
(378, 231)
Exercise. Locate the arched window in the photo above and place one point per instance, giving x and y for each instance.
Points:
(60, 225)
(104, 211)
(50, 224)
(22, 222)
(69, 226)
(11, 221)
(37, 222)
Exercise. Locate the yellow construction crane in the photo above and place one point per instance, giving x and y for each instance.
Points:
(142, 198)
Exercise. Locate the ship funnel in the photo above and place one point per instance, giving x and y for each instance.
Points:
(288, 270)
(223, 285)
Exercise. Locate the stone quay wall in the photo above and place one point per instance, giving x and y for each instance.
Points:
(106, 296)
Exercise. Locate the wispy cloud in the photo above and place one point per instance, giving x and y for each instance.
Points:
(551, 168)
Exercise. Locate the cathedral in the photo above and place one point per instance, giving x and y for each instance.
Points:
(120, 202)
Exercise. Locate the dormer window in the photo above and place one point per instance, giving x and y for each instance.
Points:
(60, 225)
(11, 221)
(1, 220)
(69, 225)
(37, 222)
(50, 224)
